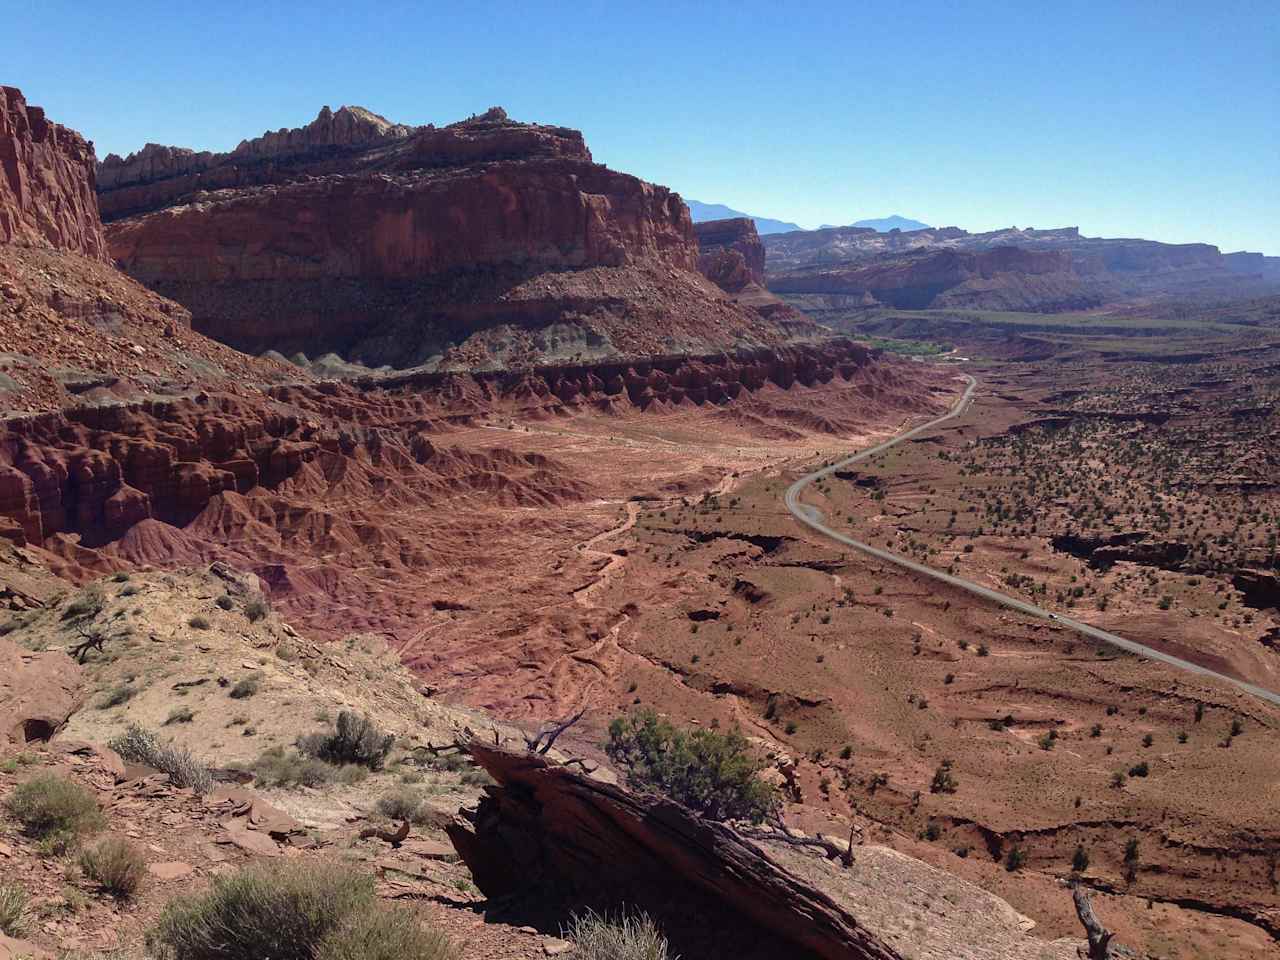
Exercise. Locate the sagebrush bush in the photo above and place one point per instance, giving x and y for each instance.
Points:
(387, 933)
(404, 804)
(247, 687)
(49, 805)
(626, 937)
(256, 608)
(276, 767)
(13, 910)
(292, 911)
(713, 773)
(354, 739)
(116, 865)
(138, 745)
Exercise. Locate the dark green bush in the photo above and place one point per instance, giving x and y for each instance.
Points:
(710, 772)
(354, 739)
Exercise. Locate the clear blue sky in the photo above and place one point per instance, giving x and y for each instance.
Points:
(1159, 120)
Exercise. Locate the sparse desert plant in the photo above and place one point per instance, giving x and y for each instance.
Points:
(225, 602)
(256, 608)
(277, 767)
(1139, 769)
(116, 865)
(117, 695)
(713, 773)
(13, 910)
(1080, 862)
(1015, 859)
(943, 781)
(139, 745)
(247, 686)
(48, 806)
(180, 715)
(354, 739)
(198, 623)
(386, 933)
(627, 936)
(404, 804)
(293, 911)
(1117, 780)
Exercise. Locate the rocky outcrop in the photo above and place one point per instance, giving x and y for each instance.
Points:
(730, 253)
(38, 692)
(47, 196)
(1007, 278)
(1090, 269)
(552, 834)
(395, 246)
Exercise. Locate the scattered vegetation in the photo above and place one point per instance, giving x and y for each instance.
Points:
(247, 686)
(943, 781)
(404, 804)
(13, 910)
(711, 772)
(52, 807)
(293, 911)
(116, 865)
(139, 745)
(353, 740)
(625, 937)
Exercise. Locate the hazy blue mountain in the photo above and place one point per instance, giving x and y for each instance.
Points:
(718, 211)
(895, 222)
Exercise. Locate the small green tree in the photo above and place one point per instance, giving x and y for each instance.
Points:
(710, 772)
(1080, 862)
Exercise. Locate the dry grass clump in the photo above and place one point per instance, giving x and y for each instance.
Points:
(293, 911)
(116, 865)
(13, 910)
(138, 745)
(49, 806)
(404, 803)
(626, 937)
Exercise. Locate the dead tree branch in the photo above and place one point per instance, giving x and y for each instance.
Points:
(1099, 936)
(546, 737)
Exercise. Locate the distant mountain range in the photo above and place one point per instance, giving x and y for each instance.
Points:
(718, 211)
(884, 224)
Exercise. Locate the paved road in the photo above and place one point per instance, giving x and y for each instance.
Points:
(811, 517)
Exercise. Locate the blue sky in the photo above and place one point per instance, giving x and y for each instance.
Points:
(1159, 120)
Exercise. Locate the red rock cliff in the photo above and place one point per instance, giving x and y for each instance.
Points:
(731, 253)
(47, 196)
(362, 236)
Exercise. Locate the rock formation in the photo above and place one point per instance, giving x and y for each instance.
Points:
(486, 241)
(549, 831)
(730, 253)
(1008, 278)
(1042, 270)
(47, 194)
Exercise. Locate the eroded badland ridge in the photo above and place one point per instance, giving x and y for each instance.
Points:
(528, 461)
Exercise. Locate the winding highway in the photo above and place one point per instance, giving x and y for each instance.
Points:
(810, 517)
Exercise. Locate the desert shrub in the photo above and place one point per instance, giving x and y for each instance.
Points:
(277, 767)
(256, 608)
(225, 602)
(943, 781)
(116, 696)
(1080, 862)
(711, 772)
(293, 911)
(51, 806)
(386, 933)
(354, 739)
(86, 606)
(13, 910)
(138, 745)
(625, 937)
(116, 865)
(180, 715)
(1015, 860)
(198, 623)
(247, 686)
(1139, 769)
(404, 804)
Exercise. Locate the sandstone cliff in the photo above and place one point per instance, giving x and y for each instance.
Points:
(47, 194)
(731, 253)
(483, 242)
(1007, 278)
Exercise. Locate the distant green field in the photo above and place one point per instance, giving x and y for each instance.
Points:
(910, 348)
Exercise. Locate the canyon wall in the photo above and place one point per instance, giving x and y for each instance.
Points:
(730, 253)
(391, 245)
(47, 182)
